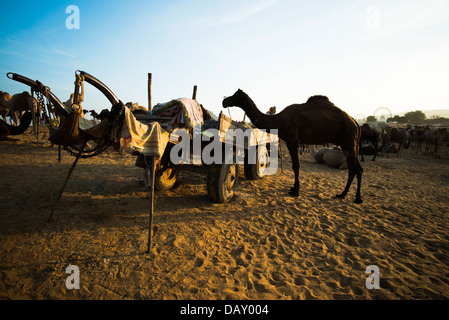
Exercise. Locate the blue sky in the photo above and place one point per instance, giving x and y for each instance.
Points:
(361, 54)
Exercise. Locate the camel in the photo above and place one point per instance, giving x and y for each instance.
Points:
(8, 130)
(317, 122)
(372, 136)
(429, 139)
(4, 110)
(134, 107)
(93, 114)
(394, 135)
(333, 157)
(422, 135)
(20, 102)
(442, 137)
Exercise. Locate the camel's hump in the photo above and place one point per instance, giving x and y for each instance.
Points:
(314, 98)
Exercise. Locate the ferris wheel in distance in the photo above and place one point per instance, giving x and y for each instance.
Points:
(382, 114)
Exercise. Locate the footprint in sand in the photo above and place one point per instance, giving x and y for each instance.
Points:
(277, 278)
(201, 259)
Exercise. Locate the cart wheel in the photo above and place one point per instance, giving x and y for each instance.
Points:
(222, 182)
(164, 178)
(255, 171)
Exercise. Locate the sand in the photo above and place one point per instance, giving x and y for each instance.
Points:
(264, 244)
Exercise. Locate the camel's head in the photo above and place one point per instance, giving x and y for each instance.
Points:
(236, 100)
(5, 95)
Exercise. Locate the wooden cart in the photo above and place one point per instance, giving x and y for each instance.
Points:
(159, 172)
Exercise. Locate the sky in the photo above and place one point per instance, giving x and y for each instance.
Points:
(363, 55)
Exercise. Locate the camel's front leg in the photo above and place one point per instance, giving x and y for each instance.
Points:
(293, 150)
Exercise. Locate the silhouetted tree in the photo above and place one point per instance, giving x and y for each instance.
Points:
(415, 116)
(371, 119)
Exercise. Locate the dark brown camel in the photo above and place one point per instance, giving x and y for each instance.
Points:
(371, 135)
(397, 135)
(315, 122)
(441, 138)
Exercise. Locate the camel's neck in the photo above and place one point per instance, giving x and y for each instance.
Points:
(259, 119)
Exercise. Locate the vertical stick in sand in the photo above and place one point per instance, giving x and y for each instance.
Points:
(50, 217)
(150, 76)
(150, 227)
(195, 88)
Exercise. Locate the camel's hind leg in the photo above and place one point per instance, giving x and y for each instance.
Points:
(354, 168)
(293, 150)
(359, 171)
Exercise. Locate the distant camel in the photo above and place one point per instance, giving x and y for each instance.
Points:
(371, 135)
(20, 102)
(442, 137)
(418, 136)
(8, 130)
(4, 111)
(93, 114)
(429, 138)
(4, 108)
(135, 107)
(315, 122)
(103, 115)
(397, 135)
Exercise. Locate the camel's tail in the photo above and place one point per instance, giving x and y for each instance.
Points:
(359, 133)
(359, 138)
(25, 122)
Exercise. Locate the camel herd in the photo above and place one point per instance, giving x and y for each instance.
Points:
(387, 140)
(421, 139)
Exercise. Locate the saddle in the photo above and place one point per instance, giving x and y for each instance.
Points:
(69, 133)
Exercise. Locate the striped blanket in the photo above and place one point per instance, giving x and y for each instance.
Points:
(188, 112)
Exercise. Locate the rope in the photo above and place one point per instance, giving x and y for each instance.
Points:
(79, 83)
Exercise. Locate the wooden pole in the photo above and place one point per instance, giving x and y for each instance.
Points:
(194, 92)
(150, 228)
(149, 91)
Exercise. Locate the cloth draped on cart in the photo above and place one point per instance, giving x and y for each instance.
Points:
(150, 140)
(188, 112)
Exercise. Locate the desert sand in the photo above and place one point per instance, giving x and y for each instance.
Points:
(264, 244)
